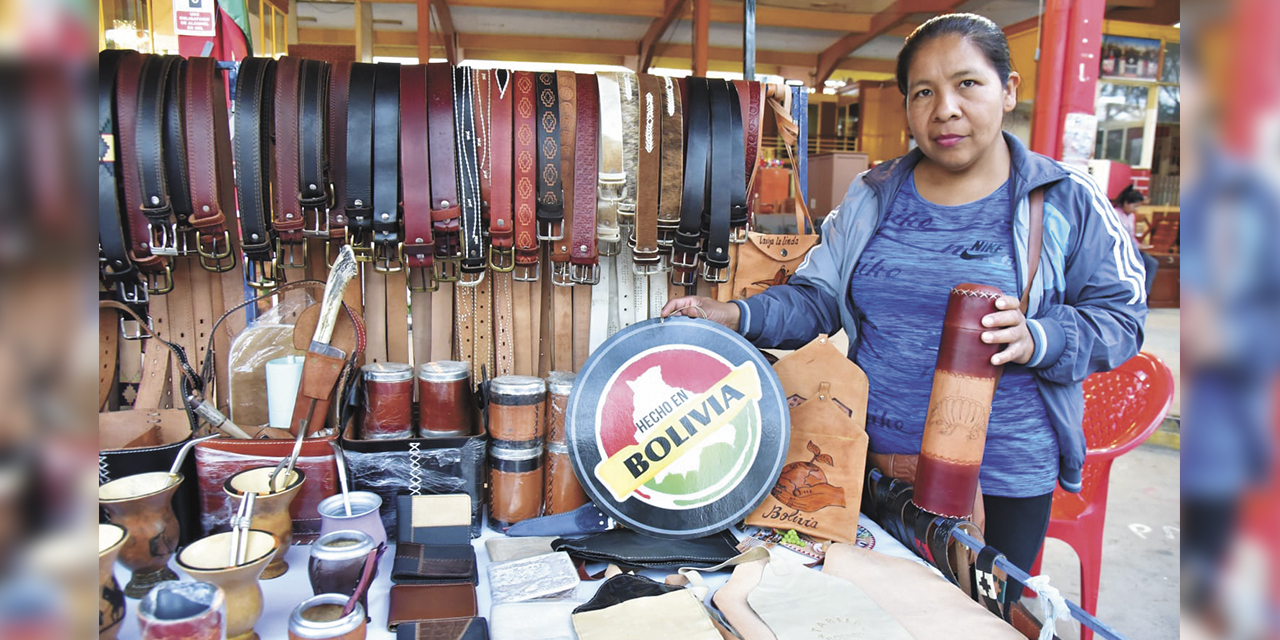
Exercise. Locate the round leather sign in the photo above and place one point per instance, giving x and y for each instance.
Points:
(677, 428)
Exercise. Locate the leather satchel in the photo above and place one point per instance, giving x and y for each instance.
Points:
(798, 603)
(678, 614)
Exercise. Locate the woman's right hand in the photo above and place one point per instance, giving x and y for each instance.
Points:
(725, 313)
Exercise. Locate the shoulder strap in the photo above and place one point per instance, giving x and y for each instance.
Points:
(1033, 245)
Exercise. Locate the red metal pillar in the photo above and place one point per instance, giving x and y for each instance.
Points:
(1080, 78)
(1070, 43)
(1046, 125)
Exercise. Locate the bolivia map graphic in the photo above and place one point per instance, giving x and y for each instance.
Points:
(664, 382)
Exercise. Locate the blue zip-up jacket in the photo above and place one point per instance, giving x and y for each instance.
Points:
(1087, 305)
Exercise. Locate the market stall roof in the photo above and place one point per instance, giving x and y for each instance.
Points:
(807, 40)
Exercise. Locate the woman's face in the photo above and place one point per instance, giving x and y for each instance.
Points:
(956, 103)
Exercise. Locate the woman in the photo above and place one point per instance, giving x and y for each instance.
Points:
(1126, 205)
(956, 210)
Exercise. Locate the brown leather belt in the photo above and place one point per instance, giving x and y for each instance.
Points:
(418, 249)
(445, 212)
(526, 179)
(644, 237)
(154, 268)
(500, 198)
(672, 166)
(582, 250)
(209, 162)
(567, 92)
(750, 97)
(287, 220)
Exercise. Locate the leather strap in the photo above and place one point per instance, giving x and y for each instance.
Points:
(375, 314)
(644, 237)
(386, 169)
(626, 297)
(1035, 242)
(314, 189)
(750, 98)
(359, 174)
(611, 179)
(505, 324)
(717, 220)
(464, 305)
(582, 251)
(255, 84)
(397, 317)
(550, 214)
(989, 582)
(684, 260)
(562, 328)
(116, 269)
(526, 179)
(155, 207)
(473, 257)
(581, 324)
(672, 181)
(418, 249)
(482, 114)
(523, 336)
(339, 97)
(629, 88)
(175, 154)
(442, 327)
(483, 329)
(287, 221)
(500, 198)
(567, 91)
(738, 184)
(209, 162)
(441, 147)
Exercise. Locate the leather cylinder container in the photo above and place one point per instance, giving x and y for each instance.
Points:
(516, 431)
(964, 384)
(445, 409)
(560, 491)
(337, 561)
(388, 400)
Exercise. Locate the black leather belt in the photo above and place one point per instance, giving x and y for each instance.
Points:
(117, 272)
(359, 175)
(684, 259)
(550, 189)
(153, 176)
(715, 255)
(473, 257)
(175, 157)
(339, 90)
(255, 83)
(315, 193)
(386, 168)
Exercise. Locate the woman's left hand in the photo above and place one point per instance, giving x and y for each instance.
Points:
(1010, 329)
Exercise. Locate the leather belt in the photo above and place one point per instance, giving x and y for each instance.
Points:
(684, 259)
(386, 168)
(672, 166)
(501, 229)
(473, 258)
(287, 221)
(550, 190)
(117, 271)
(417, 252)
(582, 251)
(177, 176)
(252, 148)
(339, 96)
(630, 92)
(526, 177)
(717, 218)
(567, 92)
(611, 179)
(209, 161)
(751, 103)
(158, 72)
(359, 174)
(644, 237)
(738, 181)
(441, 146)
(315, 194)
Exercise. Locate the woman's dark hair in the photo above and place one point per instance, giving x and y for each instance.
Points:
(1129, 195)
(982, 32)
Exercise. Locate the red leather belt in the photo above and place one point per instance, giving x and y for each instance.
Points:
(287, 219)
(644, 236)
(339, 95)
(526, 178)
(501, 230)
(418, 250)
(441, 144)
(115, 268)
(155, 269)
(582, 251)
(750, 101)
(567, 90)
(209, 162)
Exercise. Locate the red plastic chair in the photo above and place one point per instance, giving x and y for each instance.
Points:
(1122, 407)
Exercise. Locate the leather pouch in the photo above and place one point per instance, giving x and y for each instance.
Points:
(532, 620)
(549, 575)
(670, 615)
(429, 564)
(629, 549)
(731, 600)
(144, 440)
(448, 629)
(925, 605)
(799, 603)
(624, 587)
(767, 260)
(433, 519)
(424, 602)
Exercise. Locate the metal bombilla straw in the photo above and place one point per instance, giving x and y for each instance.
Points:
(240, 524)
(182, 455)
(341, 459)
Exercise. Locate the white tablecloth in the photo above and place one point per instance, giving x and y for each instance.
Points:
(284, 593)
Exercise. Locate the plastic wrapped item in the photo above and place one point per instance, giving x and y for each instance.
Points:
(263, 340)
(417, 466)
(547, 575)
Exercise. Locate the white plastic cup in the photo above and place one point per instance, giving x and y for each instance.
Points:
(283, 377)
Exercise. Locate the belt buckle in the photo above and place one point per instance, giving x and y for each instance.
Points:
(502, 260)
(215, 260)
(257, 274)
(448, 268)
(425, 275)
(647, 268)
(131, 330)
(546, 230)
(318, 215)
(666, 235)
(469, 278)
(526, 272)
(386, 259)
(290, 256)
(683, 277)
(361, 241)
(608, 248)
(163, 239)
(585, 273)
(714, 274)
(160, 283)
(738, 235)
(561, 274)
(626, 212)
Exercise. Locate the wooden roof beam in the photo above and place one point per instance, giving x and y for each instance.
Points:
(656, 30)
(448, 35)
(891, 17)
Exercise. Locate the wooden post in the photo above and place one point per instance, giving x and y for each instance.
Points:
(364, 31)
(701, 29)
(424, 31)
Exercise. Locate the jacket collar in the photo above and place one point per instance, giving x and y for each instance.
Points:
(1028, 170)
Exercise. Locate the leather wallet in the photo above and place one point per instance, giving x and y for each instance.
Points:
(585, 519)
(434, 519)
(623, 587)
(427, 564)
(629, 549)
(449, 629)
(423, 602)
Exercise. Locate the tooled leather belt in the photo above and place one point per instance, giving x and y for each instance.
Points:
(473, 257)
(525, 199)
(582, 251)
(442, 145)
(209, 162)
(567, 92)
(501, 229)
(358, 203)
(550, 190)
(315, 194)
(117, 271)
(611, 180)
(737, 184)
(386, 168)
(252, 148)
(644, 236)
